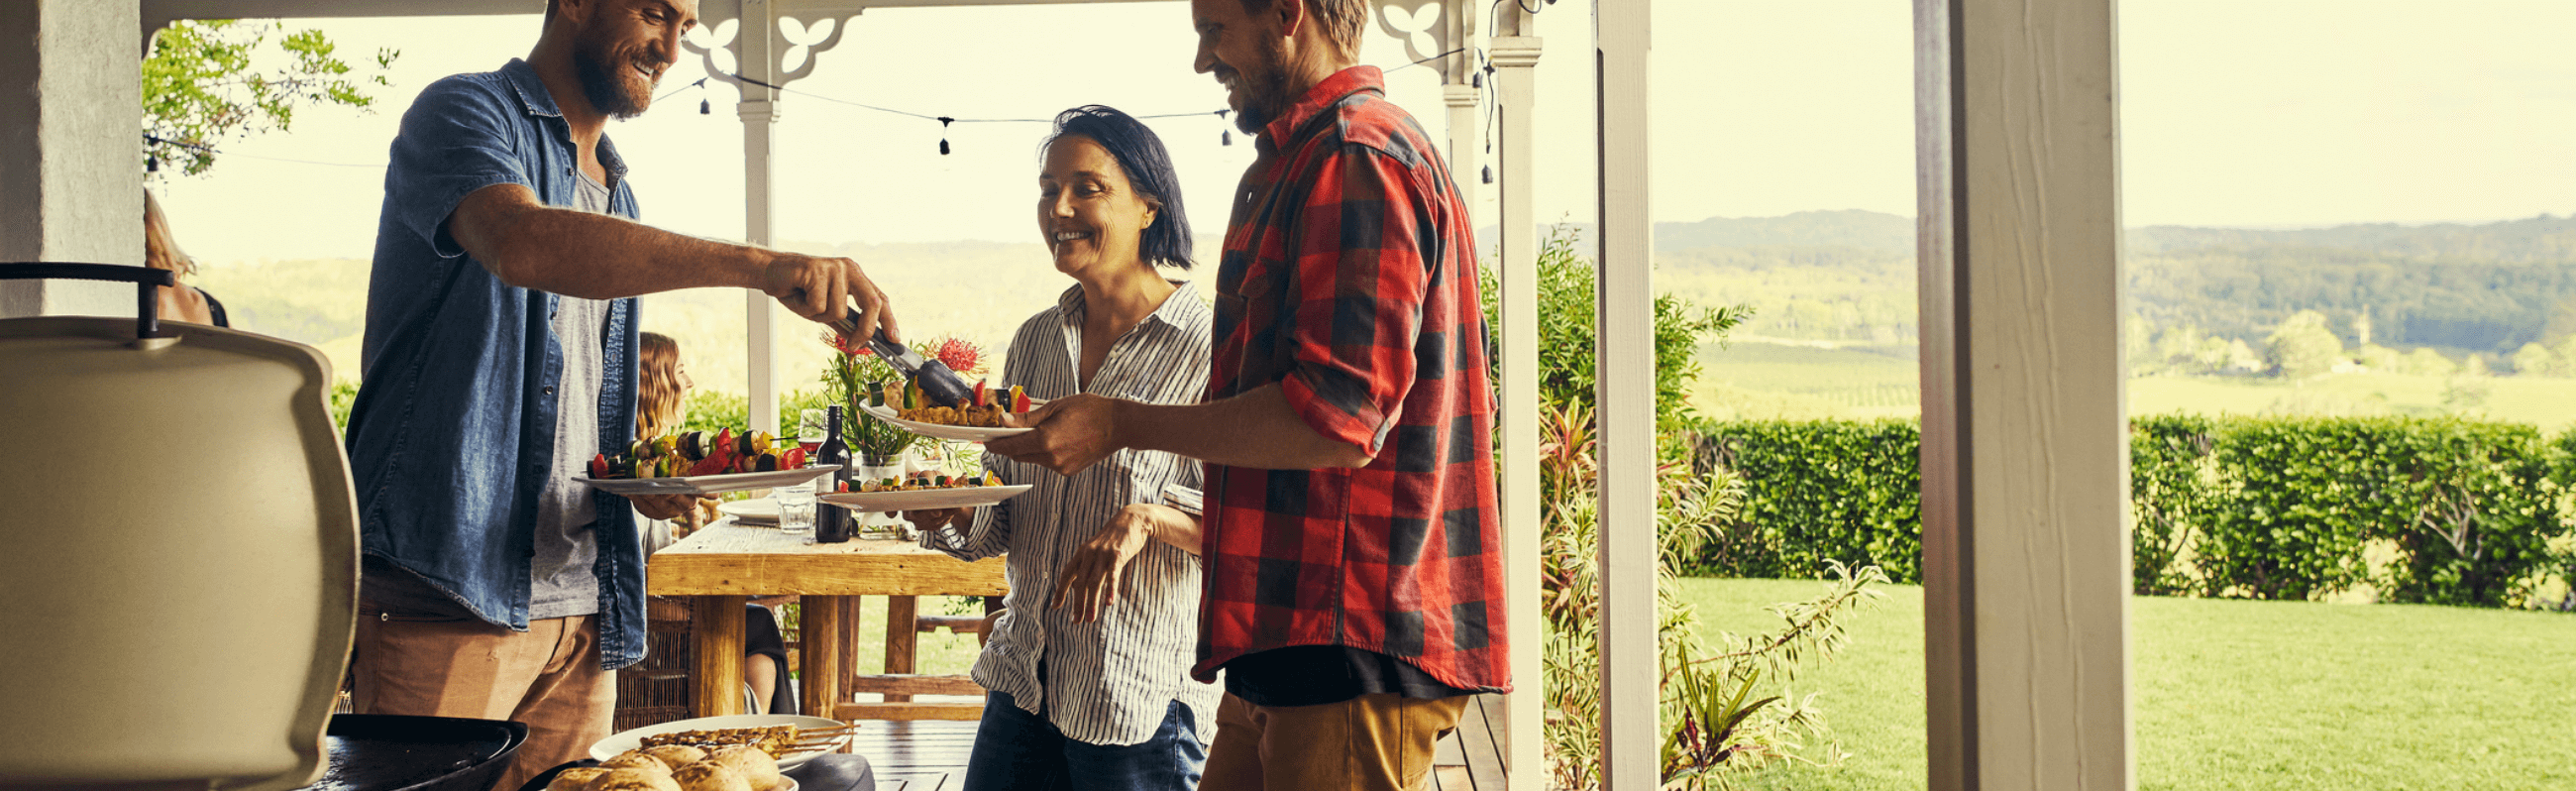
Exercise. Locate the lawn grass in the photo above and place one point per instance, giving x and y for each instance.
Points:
(2238, 694)
(1755, 380)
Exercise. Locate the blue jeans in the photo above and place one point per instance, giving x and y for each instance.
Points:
(1019, 751)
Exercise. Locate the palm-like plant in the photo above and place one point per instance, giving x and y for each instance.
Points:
(1715, 722)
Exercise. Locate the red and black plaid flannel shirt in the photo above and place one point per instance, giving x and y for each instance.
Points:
(1349, 277)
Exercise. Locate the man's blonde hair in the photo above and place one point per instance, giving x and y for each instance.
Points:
(1343, 20)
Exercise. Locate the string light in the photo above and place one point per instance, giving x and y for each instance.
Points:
(944, 121)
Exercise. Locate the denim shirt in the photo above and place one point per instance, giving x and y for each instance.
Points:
(453, 431)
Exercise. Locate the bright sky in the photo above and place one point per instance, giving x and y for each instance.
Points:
(2279, 112)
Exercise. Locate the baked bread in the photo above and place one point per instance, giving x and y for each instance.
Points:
(629, 778)
(575, 779)
(676, 755)
(710, 776)
(754, 763)
(638, 759)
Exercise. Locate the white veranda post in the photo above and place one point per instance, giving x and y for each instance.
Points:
(755, 45)
(1624, 359)
(2025, 559)
(1515, 56)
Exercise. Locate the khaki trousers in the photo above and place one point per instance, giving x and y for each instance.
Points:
(548, 677)
(1370, 743)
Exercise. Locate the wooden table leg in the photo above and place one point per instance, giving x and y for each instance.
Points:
(853, 613)
(715, 625)
(903, 640)
(821, 675)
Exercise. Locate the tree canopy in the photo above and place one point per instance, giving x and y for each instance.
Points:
(208, 80)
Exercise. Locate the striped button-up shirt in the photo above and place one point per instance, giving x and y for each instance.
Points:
(1110, 681)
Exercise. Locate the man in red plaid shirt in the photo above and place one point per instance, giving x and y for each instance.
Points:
(1354, 571)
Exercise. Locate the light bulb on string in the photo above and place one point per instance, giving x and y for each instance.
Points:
(1224, 136)
(944, 121)
(1489, 174)
(151, 163)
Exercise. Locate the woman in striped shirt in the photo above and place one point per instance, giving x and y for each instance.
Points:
(1088, 666)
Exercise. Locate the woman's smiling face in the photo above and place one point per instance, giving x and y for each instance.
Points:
(1091, 215)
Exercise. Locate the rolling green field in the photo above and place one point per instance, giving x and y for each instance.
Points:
(1761, 380)
(2275, 696)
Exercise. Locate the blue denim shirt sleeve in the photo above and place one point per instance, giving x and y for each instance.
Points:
(458, 137)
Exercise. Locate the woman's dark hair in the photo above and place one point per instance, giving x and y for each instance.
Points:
(1148, 166)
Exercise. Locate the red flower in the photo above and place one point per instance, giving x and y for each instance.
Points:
(846, 345)
(959, 355)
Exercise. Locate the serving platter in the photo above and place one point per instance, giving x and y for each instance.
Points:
(706, 484)
(945, 431)
(923, 499)
(623, 741)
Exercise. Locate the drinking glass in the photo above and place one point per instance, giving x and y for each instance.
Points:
(796, 509)
(812, 428)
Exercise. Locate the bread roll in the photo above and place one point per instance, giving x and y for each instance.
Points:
(710, 776)
(637, 759)
(575, 779)
(629, 778)
(676, 755)
(754, 763)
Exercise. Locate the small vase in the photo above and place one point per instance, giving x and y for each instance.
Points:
(878, 524)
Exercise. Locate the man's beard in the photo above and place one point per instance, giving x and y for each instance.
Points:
(607, 93)
(1265, 92)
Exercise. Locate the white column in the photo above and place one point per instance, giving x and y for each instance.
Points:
(759, 110)
(1514, 57)
(1624, 359)
(1465, 149)
(71, 161)
(2025, 462)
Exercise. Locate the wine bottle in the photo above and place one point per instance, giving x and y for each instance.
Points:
(834, 524)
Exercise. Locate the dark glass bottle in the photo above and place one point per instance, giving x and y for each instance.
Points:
(834, 524)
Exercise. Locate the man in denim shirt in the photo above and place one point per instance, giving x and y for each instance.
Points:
(500, 354)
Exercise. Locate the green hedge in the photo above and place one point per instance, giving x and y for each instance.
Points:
(2429, 510)
(1816, 491)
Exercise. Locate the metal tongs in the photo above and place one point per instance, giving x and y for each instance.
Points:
(943, 386)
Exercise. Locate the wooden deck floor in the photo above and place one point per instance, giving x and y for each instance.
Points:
(930, 755)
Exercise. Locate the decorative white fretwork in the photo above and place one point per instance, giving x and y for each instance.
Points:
(1430, 29)
(794, 49)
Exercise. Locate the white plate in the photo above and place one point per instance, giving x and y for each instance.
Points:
(941, 431)
(923, 499)
(760, 510)
(627, 740)
(706, 484)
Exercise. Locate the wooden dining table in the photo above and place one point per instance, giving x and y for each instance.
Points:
(728, 563)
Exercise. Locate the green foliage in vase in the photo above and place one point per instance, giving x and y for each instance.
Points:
(201, 85)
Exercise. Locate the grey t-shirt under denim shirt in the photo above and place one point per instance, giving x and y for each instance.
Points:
(561, 582)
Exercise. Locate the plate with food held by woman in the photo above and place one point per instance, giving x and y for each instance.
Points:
(977, 420)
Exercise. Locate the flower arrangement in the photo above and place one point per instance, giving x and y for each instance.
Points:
(854, 365)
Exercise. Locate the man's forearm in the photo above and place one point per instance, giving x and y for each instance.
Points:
(1256, 429)
(597, 256)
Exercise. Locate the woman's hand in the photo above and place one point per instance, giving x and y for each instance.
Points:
(934, 519)
(1091, 578)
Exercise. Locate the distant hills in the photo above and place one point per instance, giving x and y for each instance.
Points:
(2486, 287)
(1823, 276)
